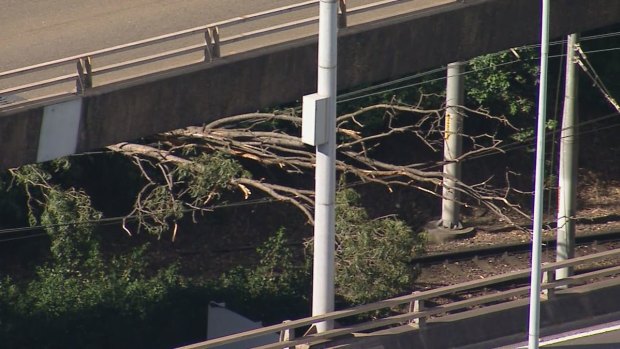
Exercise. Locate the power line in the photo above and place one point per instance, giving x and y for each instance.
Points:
(388, 83)
(346, 97)
(509, 147)
(443, 77)
(24, 237)
(529, 141)
(118, 219)
(111, 220)
(342, 99)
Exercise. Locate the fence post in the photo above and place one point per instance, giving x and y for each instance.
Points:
(287, 334)
(208, 46)
(548, 277)
(342, 13)
(85, 75)
(212, 44)
(215, 34)
(417, 306)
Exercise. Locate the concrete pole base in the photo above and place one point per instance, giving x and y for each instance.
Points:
(437, 233)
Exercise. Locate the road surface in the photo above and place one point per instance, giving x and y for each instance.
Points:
(39, 31)
(36, 31)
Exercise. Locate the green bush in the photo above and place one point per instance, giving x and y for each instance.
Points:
(278, 279)
(79, 299)
(110, 306)
(372, 255)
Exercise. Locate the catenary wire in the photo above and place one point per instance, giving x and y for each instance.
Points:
(342, 99)
(346, 97)
(118, 219)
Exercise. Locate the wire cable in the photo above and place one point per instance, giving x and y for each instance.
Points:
(348, 96)
(118, 219)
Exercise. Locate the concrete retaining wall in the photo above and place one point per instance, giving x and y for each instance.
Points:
(281, 74)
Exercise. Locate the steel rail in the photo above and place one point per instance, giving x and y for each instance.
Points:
(159, 39)
(607, 236)
(148, 59)
(172, 53)
(269, 30)
(40, 84)
(442, 291)
(436, 310)
(303, 22)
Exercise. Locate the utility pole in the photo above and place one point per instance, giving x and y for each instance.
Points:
(568, 162)
(325, 181)
(535, 281)
(453, 145)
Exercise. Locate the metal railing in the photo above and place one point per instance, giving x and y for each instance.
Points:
(417, 312)
(211, 48)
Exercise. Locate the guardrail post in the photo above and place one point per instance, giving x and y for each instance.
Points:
(212, 41)
(287, 334)
(208, 46)
(549, 277)
(342, 13)
(415, 307)
(85, 75)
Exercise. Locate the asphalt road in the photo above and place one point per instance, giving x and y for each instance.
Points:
(36, 31)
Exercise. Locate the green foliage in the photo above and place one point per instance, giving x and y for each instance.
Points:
(124, 284)
(503, 83)
(71, 243)
(526, 135)
(91, 307)
(276, 270)
(373, 255)
(167, 196)
(278, 278)
(372, 263)
(67, 214)
(158, 208)
(208, 174)
(12, 201)
(77, 299)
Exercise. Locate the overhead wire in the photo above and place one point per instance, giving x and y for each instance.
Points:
(347, 97)
(515, 145)
(555, 119)
(511, 147)
(119, 219)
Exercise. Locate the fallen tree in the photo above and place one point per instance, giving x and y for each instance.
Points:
(187, 169)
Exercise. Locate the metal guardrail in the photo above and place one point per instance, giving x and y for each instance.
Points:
(211, 48)
(415, 302)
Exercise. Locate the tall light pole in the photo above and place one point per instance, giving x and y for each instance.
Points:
(535, 287)
(322, 133)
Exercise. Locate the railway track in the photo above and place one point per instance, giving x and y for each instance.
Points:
(468, 264)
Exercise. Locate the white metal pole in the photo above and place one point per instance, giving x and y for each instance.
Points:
(535, 287)
(325, 197)
(568, 163)
(452, 148)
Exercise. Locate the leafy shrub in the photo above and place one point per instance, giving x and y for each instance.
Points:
(278, 278)
(373, 255)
